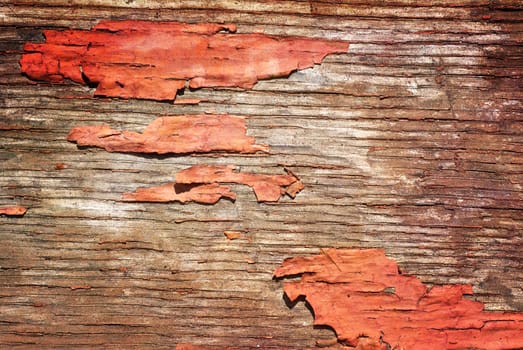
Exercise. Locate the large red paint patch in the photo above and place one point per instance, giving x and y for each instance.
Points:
(153, 60)
(362, 295)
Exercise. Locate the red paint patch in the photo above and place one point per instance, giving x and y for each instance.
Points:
(13, 210)
(232, 235)
(362, 295)
(204, 194)
(153, 60)
(179, 134)
(267, 188)
(204, 184)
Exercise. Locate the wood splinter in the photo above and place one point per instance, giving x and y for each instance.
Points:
(176, 134)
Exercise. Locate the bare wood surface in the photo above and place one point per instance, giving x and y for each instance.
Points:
(411, 142)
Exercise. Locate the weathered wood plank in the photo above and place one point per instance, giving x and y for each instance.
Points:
(411, 142)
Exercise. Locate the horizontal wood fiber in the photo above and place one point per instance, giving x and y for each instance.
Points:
(411, 142)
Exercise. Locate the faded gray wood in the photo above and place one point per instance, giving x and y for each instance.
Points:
(411, 142)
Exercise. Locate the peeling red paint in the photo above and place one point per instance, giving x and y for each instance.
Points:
(204, 194)
(13, 210)
(232, 235)
(362, 295)
(267, 188)
(177, 134)
(153, 60)
(204, 184)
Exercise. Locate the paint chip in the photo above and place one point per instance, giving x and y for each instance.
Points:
(154, 60)
(176, 134)
(361, 294)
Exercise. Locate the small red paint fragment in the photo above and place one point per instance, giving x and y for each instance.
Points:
(267, 188)
(232, 235)
(362, 295)
(60, 166)
(153, 60)
(178, 134)
(13, 210)
(204, 194)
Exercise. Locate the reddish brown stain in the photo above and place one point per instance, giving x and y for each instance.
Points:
(362, 295)
(177, 134)
(153, 60)
(7, 127)
(76, 287)
(201, 347)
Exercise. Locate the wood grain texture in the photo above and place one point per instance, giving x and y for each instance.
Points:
(411, 142)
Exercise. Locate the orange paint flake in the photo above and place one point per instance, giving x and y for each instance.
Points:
(13, 210)
(204, 184)
(267, 188)
(204, 194)
(232, 235)
(153, 60)
(177, 134)
(361, 294)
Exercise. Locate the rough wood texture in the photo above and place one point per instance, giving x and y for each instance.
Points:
(153, 60)
(411, 142)
(361, 293)
(180, 134)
